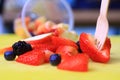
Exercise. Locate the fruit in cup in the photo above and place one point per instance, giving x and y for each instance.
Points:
(39, 21)
(40, 26)
(48, 26)
(18, 28)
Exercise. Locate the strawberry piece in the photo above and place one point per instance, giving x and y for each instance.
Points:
(41, 30)
(66, 50)
(37, 23)
(59, 41)
(5, 49)
(88, 46)
(41, 40)
(34, 57)
(45, 46)
(27, 20)
(48, 53)
(44, 43)
(58, 31)
(77, 62)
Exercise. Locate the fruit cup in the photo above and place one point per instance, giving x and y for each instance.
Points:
(36, 12)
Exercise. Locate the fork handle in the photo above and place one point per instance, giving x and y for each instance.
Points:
(104, 7)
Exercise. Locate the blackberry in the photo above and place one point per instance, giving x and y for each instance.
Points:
(79, 49)
(21, 47)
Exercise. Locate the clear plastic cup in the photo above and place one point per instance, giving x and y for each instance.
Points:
(57, 11)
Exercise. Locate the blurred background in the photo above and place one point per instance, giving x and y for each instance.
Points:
(85, 15)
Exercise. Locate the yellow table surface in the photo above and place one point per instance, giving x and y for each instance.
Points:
(11, 70)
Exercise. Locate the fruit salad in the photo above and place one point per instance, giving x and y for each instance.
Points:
(40, 26)
(57, 51)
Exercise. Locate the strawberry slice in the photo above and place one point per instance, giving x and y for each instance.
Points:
(42, 42)
(37, 23)
(77, 62)
(48, 53)
(63, 50)
(88, 46)
(39, 39)
(45, 46)
(27, 20)
(59, 41)
(34, 57)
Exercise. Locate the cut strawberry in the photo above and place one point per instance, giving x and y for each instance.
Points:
(88, 46)
(48, 53)
(43, 39)
(37, 23)
(77, 62)
(34, 57)
(42, 42)
(45, 46)
(67, 50)
(31, 27)
(58, 31)
(58, 41)
(41, 30)
(27, 20)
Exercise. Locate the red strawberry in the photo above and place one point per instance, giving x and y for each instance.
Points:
(27, 20)
(58, 31)
(37, 24)
(43, 39)
(87, 44)
(45, 46)
(34, 57)
(41, 29)
(59, 41)
(42, 42)
(48, 53)
(66, 50)
(77, 62)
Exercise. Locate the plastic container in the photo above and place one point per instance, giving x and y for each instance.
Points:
(57, 11)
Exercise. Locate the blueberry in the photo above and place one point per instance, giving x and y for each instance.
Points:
(79, 49)
(32, 34)
(9, 55)
(55, 59)
(21, 47)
